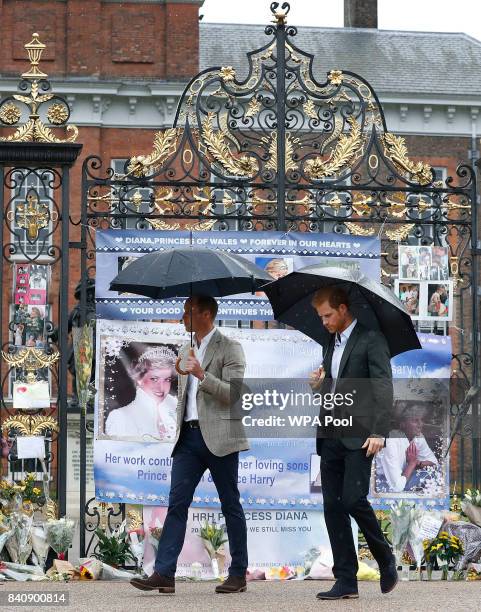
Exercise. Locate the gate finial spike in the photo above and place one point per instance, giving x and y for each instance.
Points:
(280, 14)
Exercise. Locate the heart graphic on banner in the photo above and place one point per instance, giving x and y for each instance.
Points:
(243, 241)
(124, 310)
(356, 245)
(118, 239)
(22, 389)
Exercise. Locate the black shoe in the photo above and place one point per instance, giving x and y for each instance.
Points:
(164, 584)
(389, 577)
(339, 591)
(233, 584)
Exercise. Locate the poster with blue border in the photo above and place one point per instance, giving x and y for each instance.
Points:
(276, 252)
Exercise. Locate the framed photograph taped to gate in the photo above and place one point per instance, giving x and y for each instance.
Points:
(409, 292)
(438, 301)
(409, 262)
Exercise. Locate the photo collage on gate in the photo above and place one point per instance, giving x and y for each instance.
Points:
(424, 286)
(30, 286)
(30, 292)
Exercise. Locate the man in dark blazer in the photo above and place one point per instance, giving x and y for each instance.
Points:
(355, 356)
(209, 436)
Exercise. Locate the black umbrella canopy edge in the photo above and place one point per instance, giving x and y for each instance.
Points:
(308, 283)
(242, 269)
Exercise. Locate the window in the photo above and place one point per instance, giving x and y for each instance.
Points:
(440, 173)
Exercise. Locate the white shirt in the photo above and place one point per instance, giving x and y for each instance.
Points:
(144, 419)
(339, 350)
(191, 413)
(391, 460)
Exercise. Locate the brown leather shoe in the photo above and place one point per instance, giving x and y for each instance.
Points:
(164, 584)
(233, 584)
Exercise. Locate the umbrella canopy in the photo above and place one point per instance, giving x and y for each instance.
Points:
(189, 271)
(373, 304)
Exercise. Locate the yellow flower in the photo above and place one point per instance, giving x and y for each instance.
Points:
(36, 490)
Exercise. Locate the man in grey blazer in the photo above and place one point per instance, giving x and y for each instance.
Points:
(209, 437)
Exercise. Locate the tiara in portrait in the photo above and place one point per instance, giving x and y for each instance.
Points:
(159, 353)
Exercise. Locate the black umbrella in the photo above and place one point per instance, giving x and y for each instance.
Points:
(373, 304)
(187, 272)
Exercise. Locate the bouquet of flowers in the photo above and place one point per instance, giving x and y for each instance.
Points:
(13, 495)
(154, 536)
(415, 544)
(19, 544)
(83, 344)
(213, 538)
(443, 551)
(284, 572)
(6, 530)
(113, 549)
(136, 536)
(471, 506)
(402, 515)
(60, 534)
(40, 544)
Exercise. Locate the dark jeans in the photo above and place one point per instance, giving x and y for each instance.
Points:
(345, 476)
(191, 459)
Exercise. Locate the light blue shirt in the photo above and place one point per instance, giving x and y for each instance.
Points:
(339, 346)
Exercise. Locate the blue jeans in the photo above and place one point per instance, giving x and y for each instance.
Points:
(190, 460)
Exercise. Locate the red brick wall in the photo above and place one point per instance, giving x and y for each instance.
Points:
(93, 38)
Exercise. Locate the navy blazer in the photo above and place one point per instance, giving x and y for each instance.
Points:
(365, 359)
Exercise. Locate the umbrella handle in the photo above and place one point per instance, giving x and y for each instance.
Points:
(179, 359)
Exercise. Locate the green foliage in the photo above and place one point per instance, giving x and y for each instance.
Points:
(113, 549)
(443, 549)
(214, 535)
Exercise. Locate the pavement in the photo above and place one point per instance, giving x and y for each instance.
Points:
(290, 596)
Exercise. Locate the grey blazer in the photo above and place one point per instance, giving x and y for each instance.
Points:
(222, 431)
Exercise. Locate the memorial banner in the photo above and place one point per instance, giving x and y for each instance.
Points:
(276, 252)
(420, 430)
(280, 539)
(132, 449)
